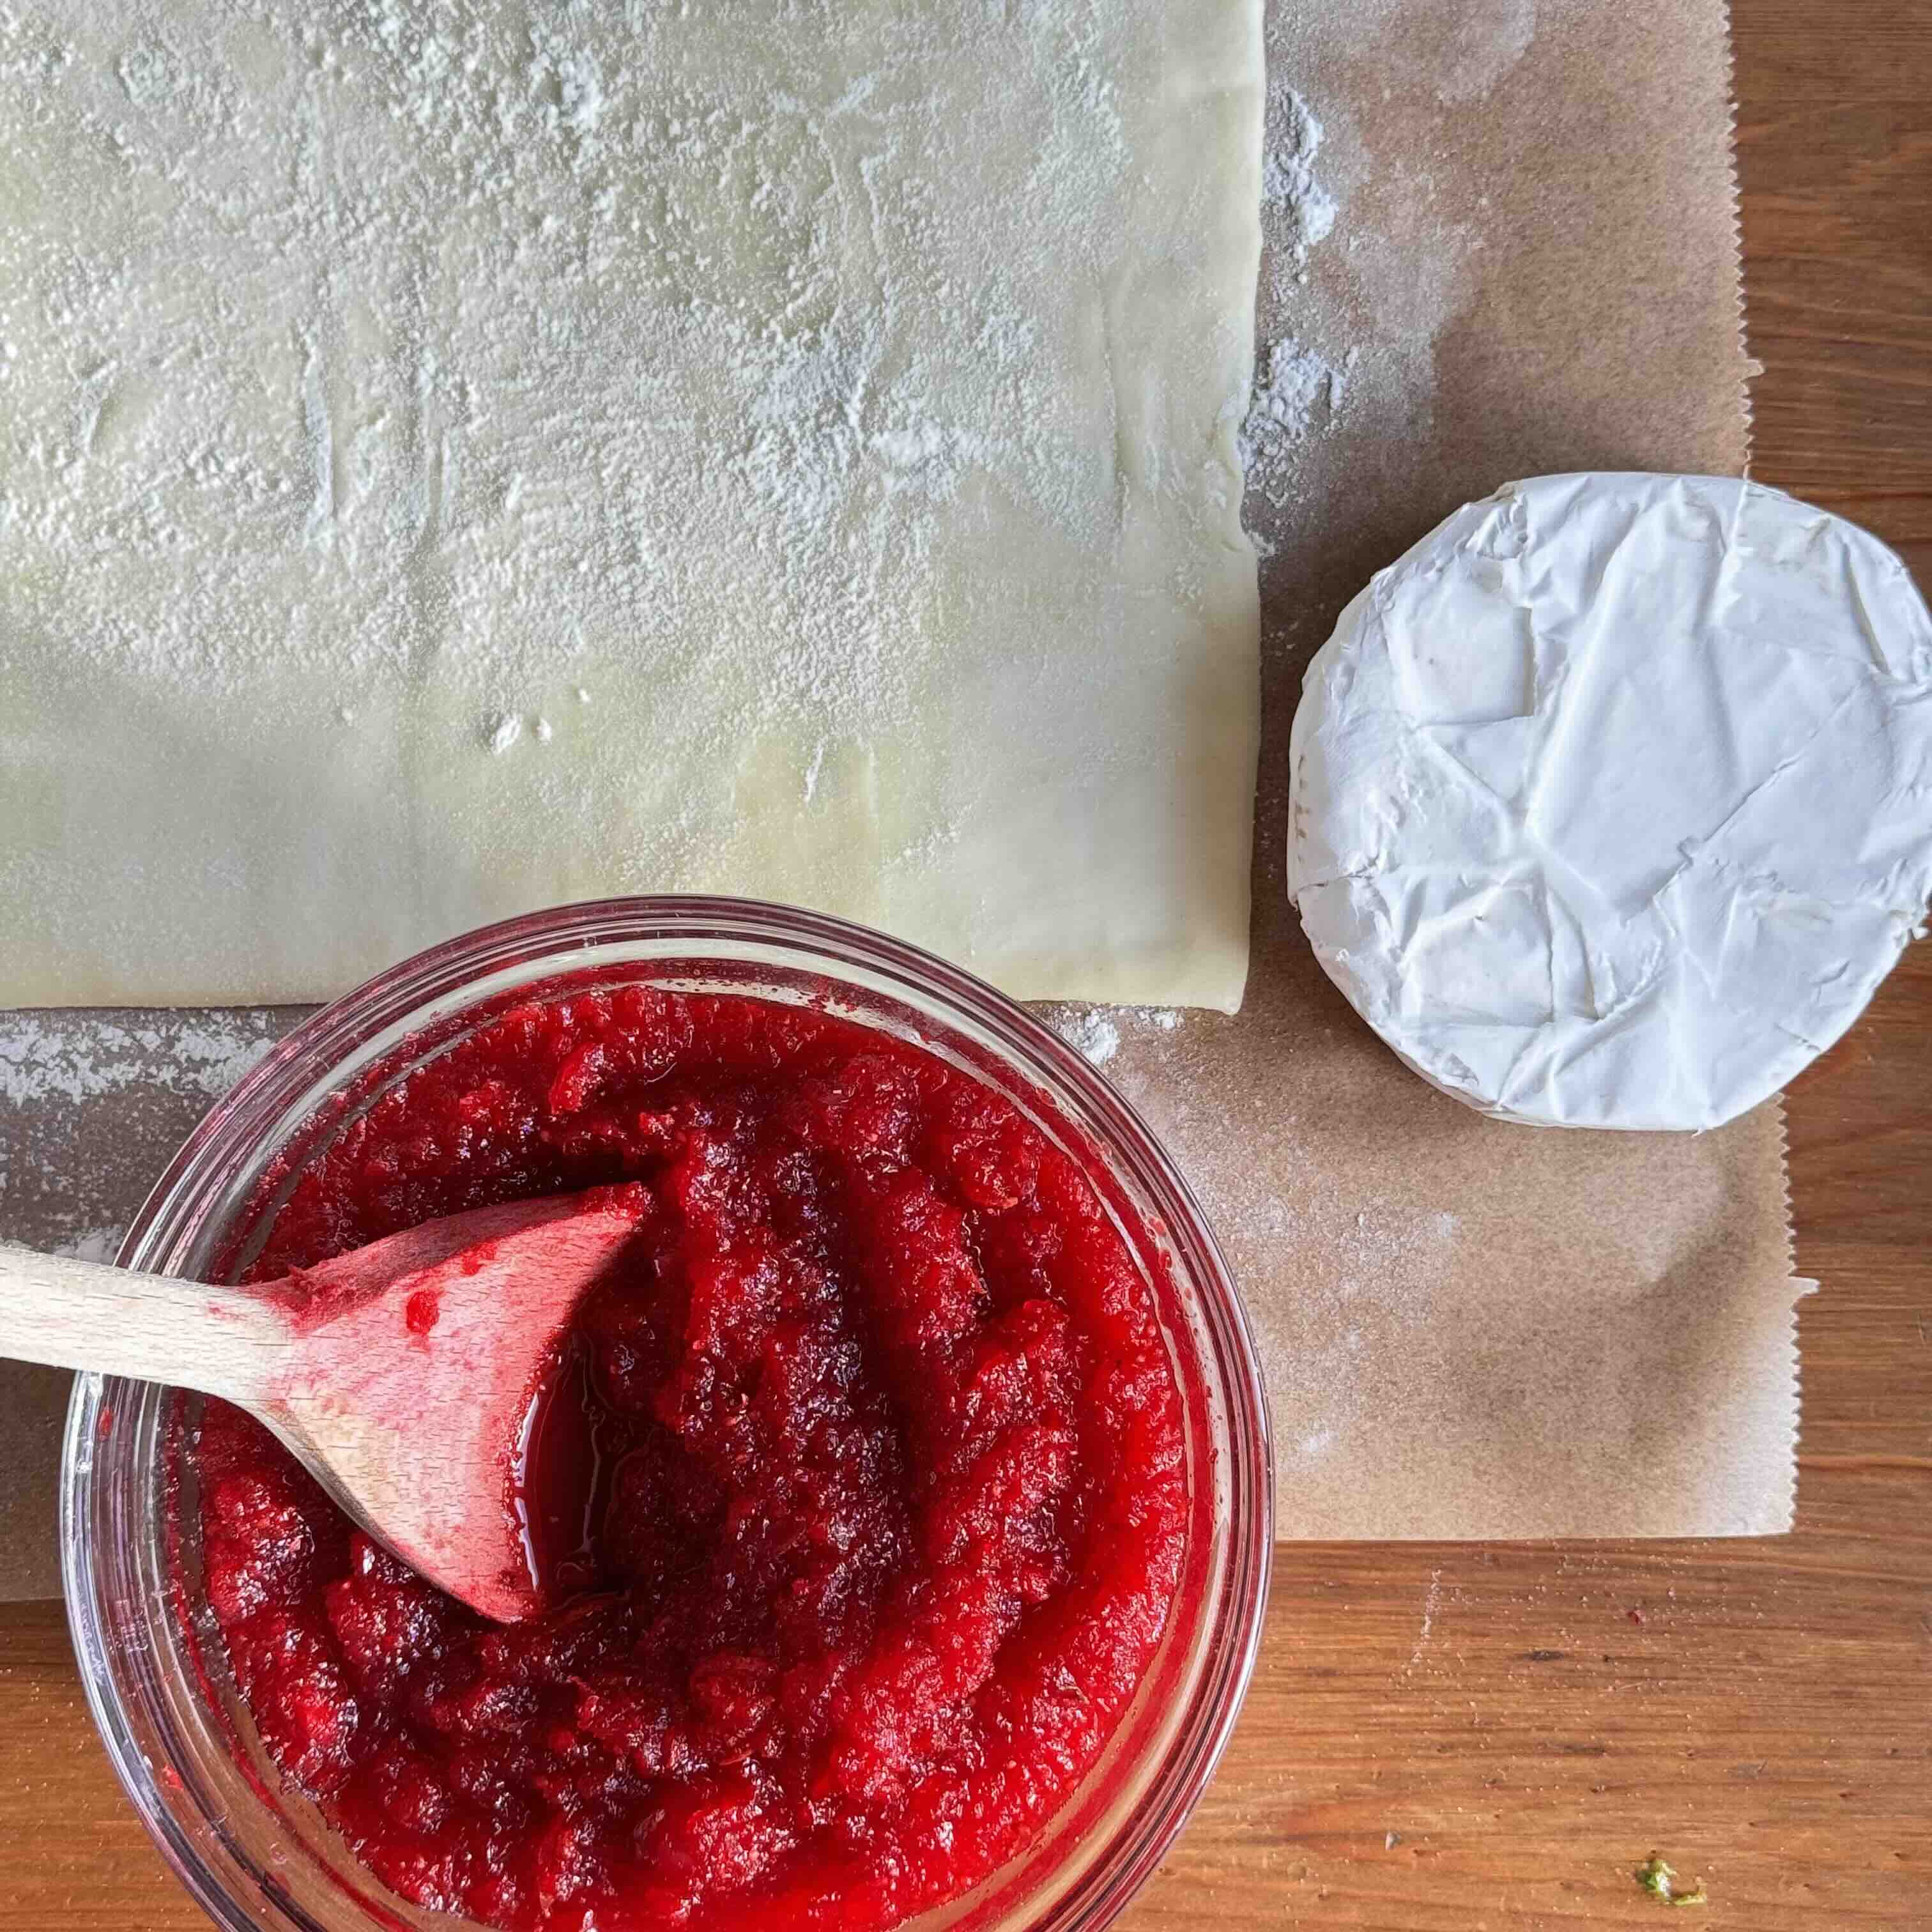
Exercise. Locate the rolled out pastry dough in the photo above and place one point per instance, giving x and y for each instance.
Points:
(457, 459)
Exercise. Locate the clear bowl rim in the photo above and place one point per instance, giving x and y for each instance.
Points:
(573, 934)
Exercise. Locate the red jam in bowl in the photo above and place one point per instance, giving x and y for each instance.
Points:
(886, 1470)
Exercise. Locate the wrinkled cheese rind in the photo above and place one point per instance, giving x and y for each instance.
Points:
(1613, 798)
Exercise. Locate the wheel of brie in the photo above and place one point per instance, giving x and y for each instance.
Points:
(1612, 800)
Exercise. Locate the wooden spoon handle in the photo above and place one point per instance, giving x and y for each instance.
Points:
(81, 1315)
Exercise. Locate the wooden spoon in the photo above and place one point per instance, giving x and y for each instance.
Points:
(400, 1374)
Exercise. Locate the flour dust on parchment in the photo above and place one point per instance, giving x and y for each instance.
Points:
(1299, 387)
(94, 1104)
(77, 1057)
(1289, 182)
(1361, 270)
(91, 1244)
(1097, 1032)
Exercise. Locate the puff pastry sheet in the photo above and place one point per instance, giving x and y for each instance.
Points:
(453, 461)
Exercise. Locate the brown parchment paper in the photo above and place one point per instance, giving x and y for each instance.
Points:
(1471, 1329)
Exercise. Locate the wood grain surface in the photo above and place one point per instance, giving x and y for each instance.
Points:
(1443, 1739)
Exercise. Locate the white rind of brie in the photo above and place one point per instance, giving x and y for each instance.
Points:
(1612, 800)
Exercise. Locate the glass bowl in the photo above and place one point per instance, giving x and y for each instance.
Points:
(257, 1855)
